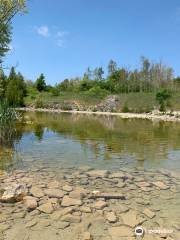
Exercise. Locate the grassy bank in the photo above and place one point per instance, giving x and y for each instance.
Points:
(132, 102)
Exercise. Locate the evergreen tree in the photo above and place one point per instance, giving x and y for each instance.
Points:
(40, 83)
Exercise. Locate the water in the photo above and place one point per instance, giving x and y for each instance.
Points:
(57, 140)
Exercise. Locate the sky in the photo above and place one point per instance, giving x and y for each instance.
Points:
(62, 38)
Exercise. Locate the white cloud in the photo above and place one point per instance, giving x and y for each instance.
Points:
(54, 34)
(43, 31)
(61, 38)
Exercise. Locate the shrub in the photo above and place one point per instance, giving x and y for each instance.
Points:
(125, 108)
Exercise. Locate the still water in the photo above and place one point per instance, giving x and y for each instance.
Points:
(107, 142)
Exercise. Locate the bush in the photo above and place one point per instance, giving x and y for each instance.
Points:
(39, 103)
(162, 97)
(125, 108)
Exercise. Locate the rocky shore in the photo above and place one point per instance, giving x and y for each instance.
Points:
(89, 204)
(154, 116)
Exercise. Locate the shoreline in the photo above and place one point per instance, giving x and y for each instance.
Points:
(175, 117)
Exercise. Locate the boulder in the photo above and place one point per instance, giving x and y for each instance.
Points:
(13, 193)
(30, 202)
(86, 236)
(67, 188)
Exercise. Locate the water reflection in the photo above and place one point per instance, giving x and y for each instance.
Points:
(80, 139)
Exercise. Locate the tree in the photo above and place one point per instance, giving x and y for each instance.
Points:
(162, 97)
(16, 89)
(40, 83)
(3, 83)
(98, 73)
(8, 9)
(112, 67)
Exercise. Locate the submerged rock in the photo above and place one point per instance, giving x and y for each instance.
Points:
(13, 193)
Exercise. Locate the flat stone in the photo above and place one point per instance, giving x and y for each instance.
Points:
(37, 192)
(61, 225)
(53, 184)
(161, 185)
(78, 193)
(149, 213)
(58, 214)
(111, 217)
(46, 208)
(100, 204)
(117, 175)
(67, 188)
(87, 236)
(30, 202)
(67, 202)
(31, 223)
(98, 173)
(71, 218)
(54, 193)
(131, 219)
(143, 184)
(121, 231)
(4, 227)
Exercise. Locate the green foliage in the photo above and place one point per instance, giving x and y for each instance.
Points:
(41, 83)
(39, 102)
(162, 97)
(125, 108)
(7, 114)
(16, 89)
(97, 91)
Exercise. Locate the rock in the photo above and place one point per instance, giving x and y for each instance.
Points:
(30, 202)
(71, 218)
(37, 192)
(119, 232)
(121, 185)
(61, 225)
(79, 193)
(67, 188)
(87, 236)
(67, 202)
(117, 175)
(54, 193)
(13, 193)
(44, 223)
(143, 184)
(4, 227)
(100, 205)
(31, 223)
(58, 214)
(46, 208)
(131, 219)
(98, 173)
(111, 217)
(85, 209)
(53, 184)
(161, 185)
(149, 213)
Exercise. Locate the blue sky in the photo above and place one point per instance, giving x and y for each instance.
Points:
(61, 38)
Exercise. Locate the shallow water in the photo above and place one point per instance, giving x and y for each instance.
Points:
(107, 142)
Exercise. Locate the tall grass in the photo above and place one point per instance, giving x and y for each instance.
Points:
(8, 119)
